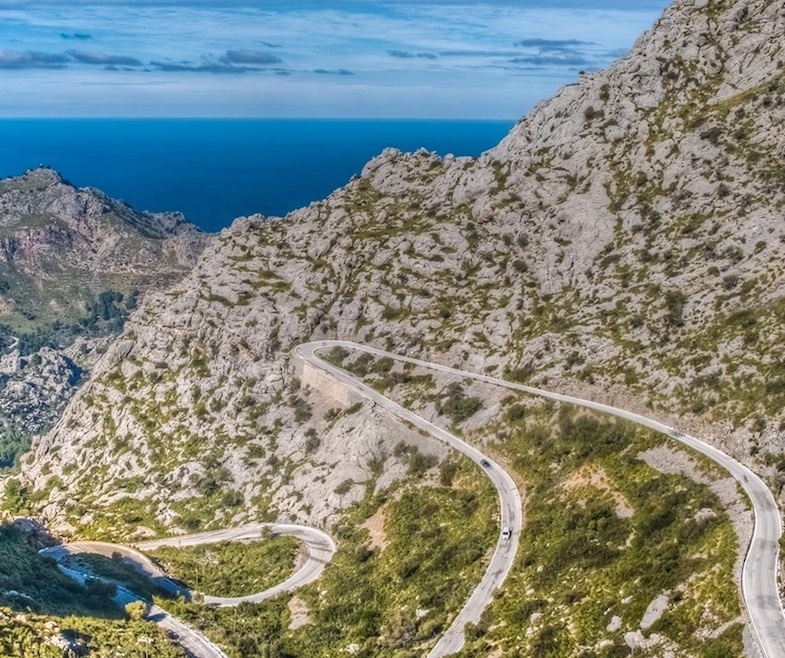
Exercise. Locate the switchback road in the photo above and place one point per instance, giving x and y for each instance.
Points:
(194, 643)
(759, 574)
(318, 545)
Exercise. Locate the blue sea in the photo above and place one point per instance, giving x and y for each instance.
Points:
(216, 170)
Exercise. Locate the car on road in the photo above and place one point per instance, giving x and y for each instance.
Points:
(485, 463)
(506, 532)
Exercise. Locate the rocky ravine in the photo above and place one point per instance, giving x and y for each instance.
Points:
(624, 242)
(72, 263)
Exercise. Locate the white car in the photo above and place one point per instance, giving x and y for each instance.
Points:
(506, 532)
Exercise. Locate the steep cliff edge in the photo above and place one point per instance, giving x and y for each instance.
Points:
(625, 240)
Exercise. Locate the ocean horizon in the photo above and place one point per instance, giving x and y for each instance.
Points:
(214, 170)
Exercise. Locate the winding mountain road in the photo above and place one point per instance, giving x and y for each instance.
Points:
(509, 499)
(759, 574)
(319, 547)
(195, 644)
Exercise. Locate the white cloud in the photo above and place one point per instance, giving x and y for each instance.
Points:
(477, 79)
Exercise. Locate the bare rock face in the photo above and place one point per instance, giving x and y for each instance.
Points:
(624, 241)
(47, 225)
(35, 389)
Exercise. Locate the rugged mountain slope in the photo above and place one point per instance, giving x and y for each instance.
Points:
(624, 240)
(61, 246)
(72, 263)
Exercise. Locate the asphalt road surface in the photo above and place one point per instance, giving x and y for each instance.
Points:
(141, 563)
(195, 644)
(759, 573)
(319, 546)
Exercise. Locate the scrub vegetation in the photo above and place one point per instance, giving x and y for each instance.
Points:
(605, 535)
(42, 610)
(231, 568)
(103, 314)
(37, 636)
(381, 599)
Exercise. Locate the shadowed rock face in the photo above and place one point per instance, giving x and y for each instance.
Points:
(624, 241)
(61, 249)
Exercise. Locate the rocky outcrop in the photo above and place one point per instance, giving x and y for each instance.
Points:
(48, 226)
(35, 389)
(624, 242)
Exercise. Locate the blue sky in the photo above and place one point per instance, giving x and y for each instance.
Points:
(358, 58)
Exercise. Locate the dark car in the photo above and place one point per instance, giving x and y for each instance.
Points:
(485, 463)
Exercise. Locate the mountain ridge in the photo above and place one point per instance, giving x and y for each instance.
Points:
(623, 242)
